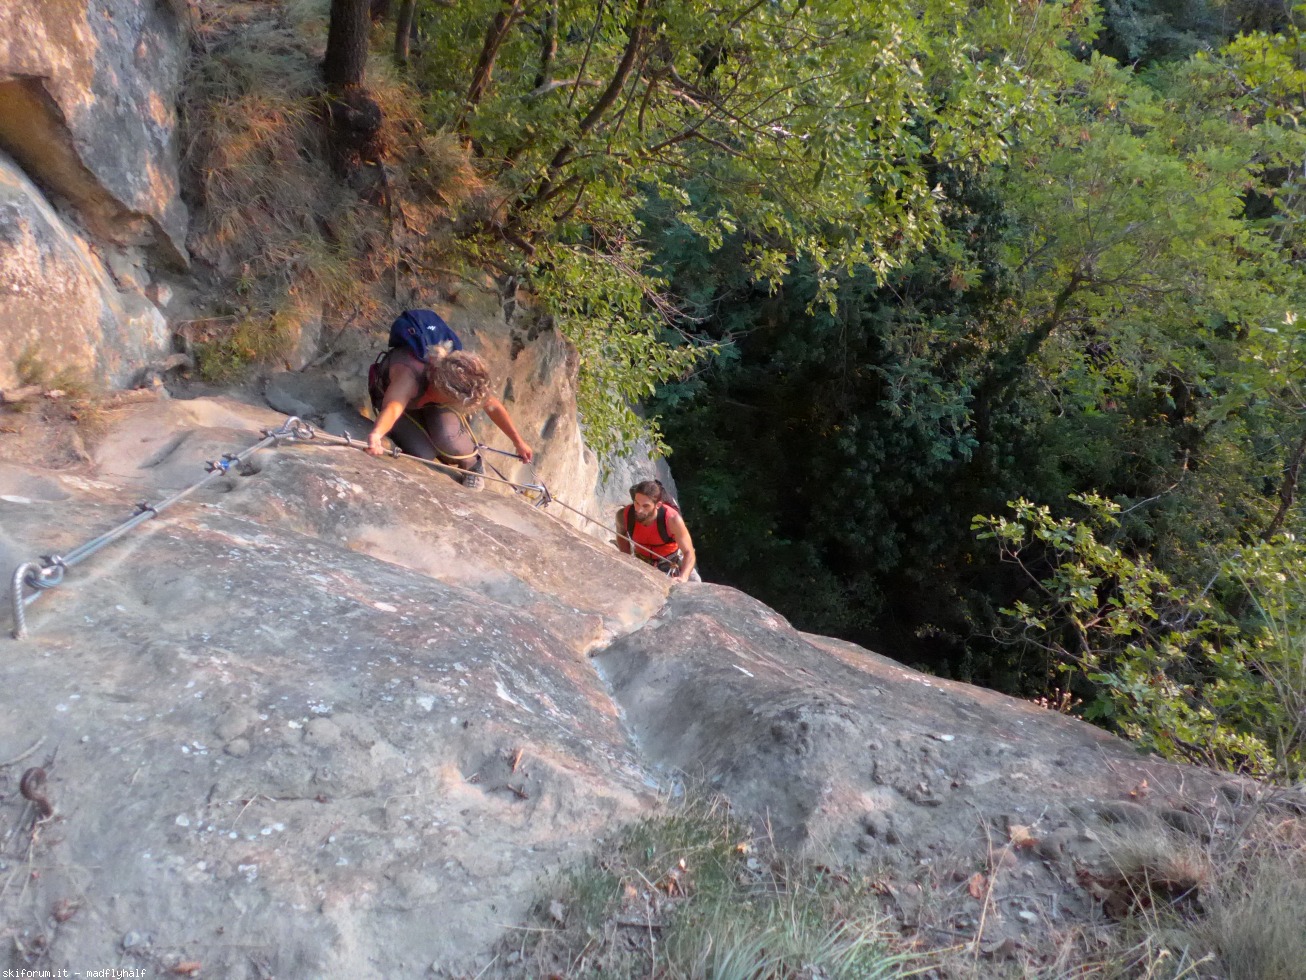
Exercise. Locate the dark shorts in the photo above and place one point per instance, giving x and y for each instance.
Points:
(436, 432)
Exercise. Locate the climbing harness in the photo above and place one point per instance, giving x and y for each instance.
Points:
(32, 579)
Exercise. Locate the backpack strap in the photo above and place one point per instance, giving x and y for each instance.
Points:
(378, 379)
(667, 537)
(662, 525)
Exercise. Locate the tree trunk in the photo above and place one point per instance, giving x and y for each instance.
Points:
(346, 51)
(1287, 489)
(495, 35)
(404, 30)
(548, 45)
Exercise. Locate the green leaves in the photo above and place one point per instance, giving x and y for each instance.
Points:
(601, 303)
(1171, 669)
(813, 126)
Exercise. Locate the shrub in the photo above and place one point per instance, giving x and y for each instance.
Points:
(1168, 665)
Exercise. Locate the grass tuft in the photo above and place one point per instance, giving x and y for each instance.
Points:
(1255, 918)
(1149, 868)
(688, 895)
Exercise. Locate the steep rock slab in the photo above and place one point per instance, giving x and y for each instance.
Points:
(853, 759)
(88, 95)
(279, 755)
(398, 510)
(56, 300)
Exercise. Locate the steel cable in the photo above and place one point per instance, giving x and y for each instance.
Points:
(49, 572)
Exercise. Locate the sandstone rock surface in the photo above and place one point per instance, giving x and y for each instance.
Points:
(88, 95)
(57, 301)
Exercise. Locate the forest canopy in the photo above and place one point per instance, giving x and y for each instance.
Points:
(974, 327)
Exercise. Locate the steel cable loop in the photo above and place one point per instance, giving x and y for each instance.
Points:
(50, 572)
(39, 577)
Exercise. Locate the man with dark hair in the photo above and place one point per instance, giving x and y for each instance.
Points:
(651, 528)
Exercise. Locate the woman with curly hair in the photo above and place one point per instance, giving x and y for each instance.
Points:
(423, 405)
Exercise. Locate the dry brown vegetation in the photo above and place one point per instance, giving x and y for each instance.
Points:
(694, 894)
(282, 233)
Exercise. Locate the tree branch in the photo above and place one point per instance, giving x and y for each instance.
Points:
(1287, 489)
(495, 35)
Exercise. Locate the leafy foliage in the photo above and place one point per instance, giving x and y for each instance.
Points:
(1170, 669)
(811, 132)
(1112, 312)
(599, 303)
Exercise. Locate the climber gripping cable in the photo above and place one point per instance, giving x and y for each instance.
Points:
(424, 388)
(651, 527)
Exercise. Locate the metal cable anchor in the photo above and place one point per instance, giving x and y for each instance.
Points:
(40, 577)
(293, 428)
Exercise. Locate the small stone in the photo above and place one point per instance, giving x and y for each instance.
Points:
(159, 293)
(135, 940)
(1025, 915)
(875, 825)
(1127, 814)
(1188, 823)
(237, 747)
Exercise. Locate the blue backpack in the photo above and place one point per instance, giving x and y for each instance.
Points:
(415, 331)
(420, 330)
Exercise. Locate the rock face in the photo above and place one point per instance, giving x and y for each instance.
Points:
(89, 190)
(334, 716)
(57, 301)
(88, 94)
(535, 376)
(345, 694)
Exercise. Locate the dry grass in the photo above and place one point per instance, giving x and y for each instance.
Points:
(690, 895)
(254, 148)
(225, 349)
(279, 228)
(1256, 917)
(281, 232)
(1149, 867)
(1231, 911)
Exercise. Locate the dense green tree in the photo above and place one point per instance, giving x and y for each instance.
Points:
(1108, 318)
(816, 124)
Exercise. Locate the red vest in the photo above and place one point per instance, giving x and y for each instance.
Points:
(650, 535)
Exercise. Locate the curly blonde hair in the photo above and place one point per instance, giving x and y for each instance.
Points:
(462, 375)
